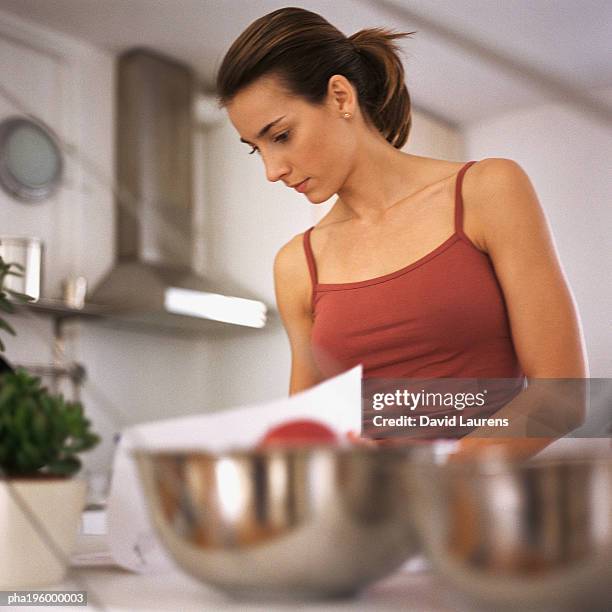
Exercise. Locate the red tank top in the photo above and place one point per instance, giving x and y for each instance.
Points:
(442, 316)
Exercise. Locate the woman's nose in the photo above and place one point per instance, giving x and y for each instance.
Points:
(275, 169)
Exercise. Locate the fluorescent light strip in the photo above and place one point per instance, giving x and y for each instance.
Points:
(214, 306)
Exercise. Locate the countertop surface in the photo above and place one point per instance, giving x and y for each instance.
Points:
(411, 588)
(111, 588)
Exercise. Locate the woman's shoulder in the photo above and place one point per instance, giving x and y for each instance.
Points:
(291, 262)
(434, 170)
(492, 185)
(492, 192)
(498, 195)
(291, 254)
(483, 172)
(495, 168)
(291, 274)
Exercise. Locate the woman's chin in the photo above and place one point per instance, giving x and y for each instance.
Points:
(317, 198)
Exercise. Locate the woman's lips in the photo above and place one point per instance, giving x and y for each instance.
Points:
(301, 188)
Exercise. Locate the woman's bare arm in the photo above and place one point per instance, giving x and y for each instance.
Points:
(543, 318)
(293, 298)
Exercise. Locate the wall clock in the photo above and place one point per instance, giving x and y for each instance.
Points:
(31, 161)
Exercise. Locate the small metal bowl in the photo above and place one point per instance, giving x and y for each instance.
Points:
(279, 523)
(524, 536)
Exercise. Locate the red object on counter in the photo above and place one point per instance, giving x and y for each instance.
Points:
(297, 433)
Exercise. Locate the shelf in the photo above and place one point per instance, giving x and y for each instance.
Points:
(139, 321)
(60, 310)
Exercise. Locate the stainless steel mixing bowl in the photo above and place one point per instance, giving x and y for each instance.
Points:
(299, 523)
(530, 536)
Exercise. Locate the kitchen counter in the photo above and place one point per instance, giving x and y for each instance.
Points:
(111, 588)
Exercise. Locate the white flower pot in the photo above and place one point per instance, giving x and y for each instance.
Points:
(25, 559)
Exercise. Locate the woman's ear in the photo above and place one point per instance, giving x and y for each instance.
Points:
(341, 95)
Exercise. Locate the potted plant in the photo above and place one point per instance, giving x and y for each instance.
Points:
(41, 435)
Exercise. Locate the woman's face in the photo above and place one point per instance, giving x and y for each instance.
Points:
(304, 145)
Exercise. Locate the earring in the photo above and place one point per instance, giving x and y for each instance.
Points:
(347, 115)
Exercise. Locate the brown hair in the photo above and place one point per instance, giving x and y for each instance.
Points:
(304, 50)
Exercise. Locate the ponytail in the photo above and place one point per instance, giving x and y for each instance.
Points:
(383, 94)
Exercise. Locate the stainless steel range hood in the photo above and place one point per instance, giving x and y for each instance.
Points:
(152, 281)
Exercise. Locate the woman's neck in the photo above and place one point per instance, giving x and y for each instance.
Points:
(380, 177)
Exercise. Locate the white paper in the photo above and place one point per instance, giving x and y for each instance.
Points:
(335, 402)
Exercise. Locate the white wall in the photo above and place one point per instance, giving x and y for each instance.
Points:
(567, 154)
(433, 138)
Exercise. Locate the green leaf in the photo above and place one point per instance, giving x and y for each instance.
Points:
(65, 467)
(7, 327)
(39, 431)
(7, 391)
(6, 306)
(39, 426)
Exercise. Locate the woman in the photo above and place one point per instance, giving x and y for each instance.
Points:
(423, 267)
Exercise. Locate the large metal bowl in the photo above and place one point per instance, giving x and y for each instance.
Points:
(283, 523)
(520, 536)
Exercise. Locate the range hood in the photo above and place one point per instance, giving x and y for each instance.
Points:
(152, 281)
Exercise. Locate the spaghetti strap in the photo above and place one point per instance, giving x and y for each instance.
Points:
(459, 198)
(310, 257)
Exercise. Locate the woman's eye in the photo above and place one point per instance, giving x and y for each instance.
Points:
(282, 137)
